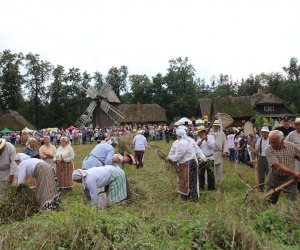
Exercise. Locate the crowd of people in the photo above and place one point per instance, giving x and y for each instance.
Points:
(197, 151)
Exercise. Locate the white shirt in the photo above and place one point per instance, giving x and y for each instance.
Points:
(198, 151)
(230, 139)
(26, 168)
(139, 142)
(8, 165)
(184, 152)
(97, 177)
(264, 145)
(208, 146)
(66, 153)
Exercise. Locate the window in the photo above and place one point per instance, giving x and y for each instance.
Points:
(268, 108)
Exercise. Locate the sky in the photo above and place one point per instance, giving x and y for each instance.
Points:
(235, 37)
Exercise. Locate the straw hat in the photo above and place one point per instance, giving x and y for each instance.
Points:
(201, 128)
(2, 143)
(297, 120)
(216, 123)
(265, 129)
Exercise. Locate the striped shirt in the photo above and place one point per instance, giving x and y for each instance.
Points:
(285, 156)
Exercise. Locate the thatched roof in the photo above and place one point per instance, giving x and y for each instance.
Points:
(234, 106)
(143, 113)
(264, 98)
(14, 121)
(241, 106)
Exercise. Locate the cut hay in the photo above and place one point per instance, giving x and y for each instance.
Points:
(17, 204)
(125, 145)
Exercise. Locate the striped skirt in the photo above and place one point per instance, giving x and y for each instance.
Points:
(188, 179)
(64, 172)
(117, 188)
(47, 195)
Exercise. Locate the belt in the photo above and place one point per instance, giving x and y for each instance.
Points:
(96, 158)
(209, 155)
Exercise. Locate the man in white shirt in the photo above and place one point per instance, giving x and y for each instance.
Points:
(207, 145)
(139, 144)
(262, 163)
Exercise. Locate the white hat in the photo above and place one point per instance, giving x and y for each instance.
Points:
(297, 120)
(216, 123)
(265, 129)
(2, 143)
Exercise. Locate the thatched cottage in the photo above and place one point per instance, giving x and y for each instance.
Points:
(14, 121)
(143, 113)
(242, 108)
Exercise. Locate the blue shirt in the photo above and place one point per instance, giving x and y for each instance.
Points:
(101, 155)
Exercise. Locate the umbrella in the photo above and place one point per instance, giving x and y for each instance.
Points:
(6, 130)
(183, 121)
(72, 128)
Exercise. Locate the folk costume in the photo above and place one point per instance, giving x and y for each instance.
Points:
(63, 158)
(47, 195)
(8, 165)
(109, 177)
(183, 153)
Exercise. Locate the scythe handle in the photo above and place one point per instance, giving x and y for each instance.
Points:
(282, 186)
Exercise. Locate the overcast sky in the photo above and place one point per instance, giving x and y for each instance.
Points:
(218, 36)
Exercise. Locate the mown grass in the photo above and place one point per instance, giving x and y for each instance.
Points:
(158, 219)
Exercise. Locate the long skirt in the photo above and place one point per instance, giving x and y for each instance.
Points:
(188, 179)
(64, 172)
(47, 195)
(117, 188)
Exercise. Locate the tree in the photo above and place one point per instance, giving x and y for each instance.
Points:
(117, 78)
(58, 98)
(11, 80)
(38, 73)
(293, 70)
(181, 89)
(141, 88)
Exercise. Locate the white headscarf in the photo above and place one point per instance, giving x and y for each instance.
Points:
(78, 174)
(21, 157)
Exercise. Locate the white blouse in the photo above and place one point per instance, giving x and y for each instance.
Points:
(66, 153)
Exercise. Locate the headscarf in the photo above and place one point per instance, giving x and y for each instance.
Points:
(182, 133)
(78, 174)
(21, 157)
(65, 138)
(112, 141)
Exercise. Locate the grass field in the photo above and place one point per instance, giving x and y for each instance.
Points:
(158, 219)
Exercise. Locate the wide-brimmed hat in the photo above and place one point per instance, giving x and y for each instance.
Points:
(265, 129)
(131, 157)
(297, 120)
(2, 143)
(201, 128)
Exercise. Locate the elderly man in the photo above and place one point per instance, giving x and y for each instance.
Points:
(8, 165)
(220, 148)
(101, 155)
(281, 158)
(262, 163)
(294, 137)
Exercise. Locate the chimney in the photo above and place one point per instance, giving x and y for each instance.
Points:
(259, 91)
(138, 110)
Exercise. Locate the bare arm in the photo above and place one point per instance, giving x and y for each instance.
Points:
(282, 168)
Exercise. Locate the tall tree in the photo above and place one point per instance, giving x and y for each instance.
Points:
(38, 73)
(11, 80)
(293, 70)
(58, 98)
(141, 88)
(117, 78)
(182, 89)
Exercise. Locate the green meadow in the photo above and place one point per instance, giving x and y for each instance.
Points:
(156, 218)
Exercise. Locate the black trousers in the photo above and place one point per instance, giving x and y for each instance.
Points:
(207, 167)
